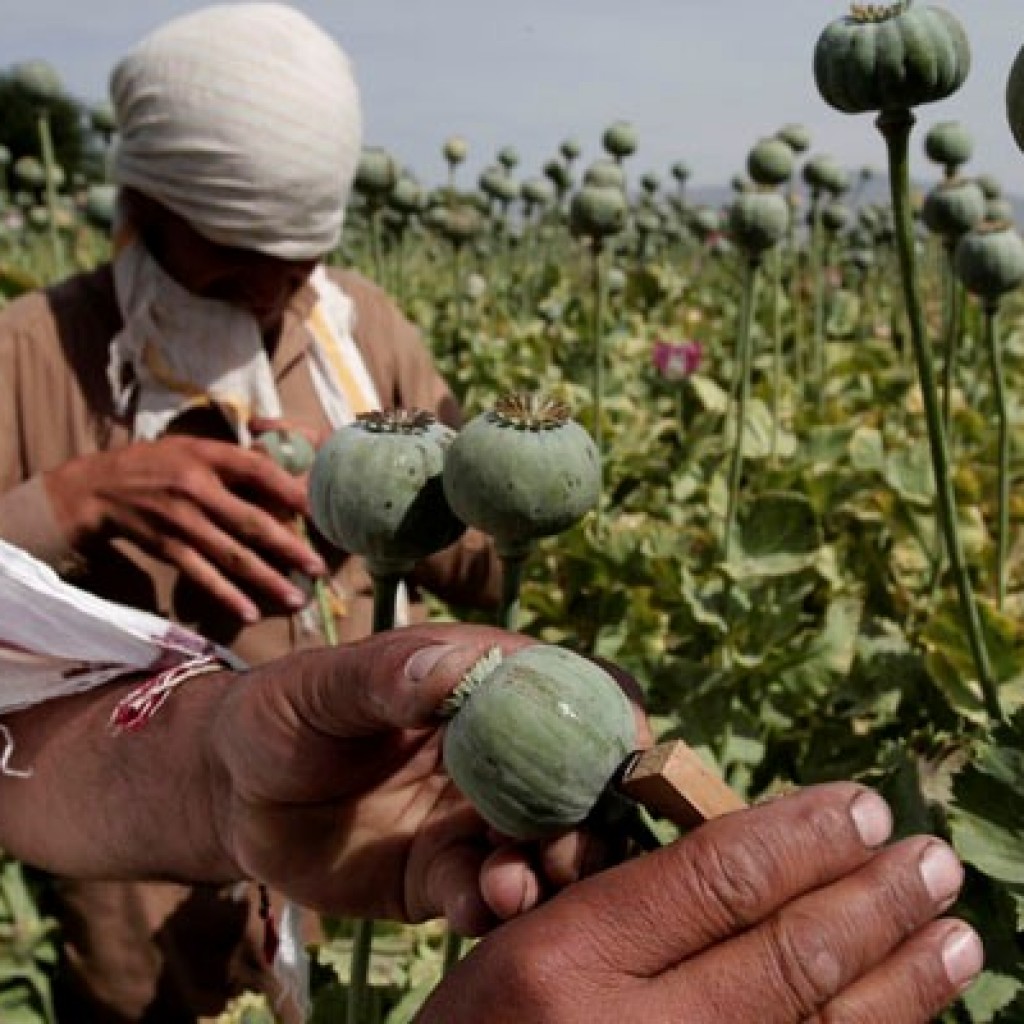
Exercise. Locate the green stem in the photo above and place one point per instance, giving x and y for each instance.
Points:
(796, 264)
(385, 591)
(452, 951)
(458, 298)
(359, 971)
(818, 284)
(598, 283)
(952, 321)
(50, 169)
(745, 357)
(776, 258)
(999, 387)
(376, 254)
(321, 590)
(895, 126)
(511, 582)
(323, 603)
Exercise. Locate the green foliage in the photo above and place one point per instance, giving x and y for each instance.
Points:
(28, 950)
(19, 131)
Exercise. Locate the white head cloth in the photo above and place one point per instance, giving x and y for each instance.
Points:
(243, 119)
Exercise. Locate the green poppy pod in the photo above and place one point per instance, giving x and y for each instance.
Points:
(770, 162)
(29, 171)
(619, 139)
(990, 185)
(948, 144)
(375, 489)
(508, 157)
(570, 150)
(559, 176)
(376, 173)
(455, 150)
(990, 260)
(650, 183)
(38, 217)
(953, 207)
(740, 183)
(758, 220)
(999, 208)
(102, 119)
(457, 224)
(496, 182)
(606, 173)
(5, 156)
(796, 136)
(681, 172)
(522, 470)
(99, 205)
(39, 79)
(292, 451)
(823, 173)
(538, 191)
(706, 221)
(598, 211)
(1015, 99)
(647, 222)
(407, 195)
(835, 217)
(890, 58)
(863, 258)
(535, 737)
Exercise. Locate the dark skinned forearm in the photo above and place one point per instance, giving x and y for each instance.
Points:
(133, 805)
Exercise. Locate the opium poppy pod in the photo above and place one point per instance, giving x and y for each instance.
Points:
(953, 207)
(890, 57)
(598, 211)
(770, 162)
(292, 451)
(758, 220)
(375, 489)
(521, 471)
(619, 139)
(535, 737)
(950, 144)
(990, 260)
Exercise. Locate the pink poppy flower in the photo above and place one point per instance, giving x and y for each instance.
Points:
(676, 361)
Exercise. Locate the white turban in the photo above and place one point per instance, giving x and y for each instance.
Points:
(243, 119)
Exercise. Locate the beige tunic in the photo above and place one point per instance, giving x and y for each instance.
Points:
(166, 952)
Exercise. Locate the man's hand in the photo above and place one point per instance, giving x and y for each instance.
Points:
(790, 912)
(334, 791)
(219, 513)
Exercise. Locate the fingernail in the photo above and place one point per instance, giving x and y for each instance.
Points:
(250, 614)
(296, 599)
(315, 567)
(423, 662)
(872, 819)
(941, 872)
(963, 956)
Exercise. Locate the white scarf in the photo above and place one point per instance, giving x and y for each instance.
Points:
(184, 351)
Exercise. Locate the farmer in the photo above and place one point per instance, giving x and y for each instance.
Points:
(130, 397)
(792, 911)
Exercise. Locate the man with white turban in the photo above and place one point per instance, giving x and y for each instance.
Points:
(130, 397)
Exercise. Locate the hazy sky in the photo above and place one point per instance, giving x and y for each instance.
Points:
(701, 80)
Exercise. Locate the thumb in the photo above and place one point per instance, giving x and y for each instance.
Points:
(392, 680)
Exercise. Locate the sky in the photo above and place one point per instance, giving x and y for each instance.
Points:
(700, 80)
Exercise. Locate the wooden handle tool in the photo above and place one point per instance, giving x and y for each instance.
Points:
(672, 782)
